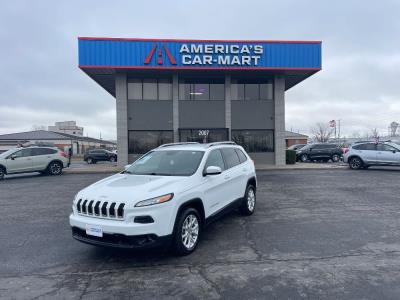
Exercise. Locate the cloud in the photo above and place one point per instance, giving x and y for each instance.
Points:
(40, 82)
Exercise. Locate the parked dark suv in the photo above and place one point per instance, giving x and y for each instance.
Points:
(322, 152)
(95, 155)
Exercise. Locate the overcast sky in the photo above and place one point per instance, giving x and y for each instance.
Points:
(40, 82)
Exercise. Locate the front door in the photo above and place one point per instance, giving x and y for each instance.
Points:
(20, 161)
(214, 185)
(387, 154)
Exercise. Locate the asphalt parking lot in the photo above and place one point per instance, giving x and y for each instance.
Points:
(331, 234)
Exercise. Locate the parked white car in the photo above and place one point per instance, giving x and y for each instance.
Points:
(168, 195)
(33, 159)
(363, 155)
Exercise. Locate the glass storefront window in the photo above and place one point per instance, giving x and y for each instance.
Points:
(164, 89)
(203, 135)
(141, 141)
(150, 89)
(200, 89)
(254, 140)
(251, 90)
(135, 89)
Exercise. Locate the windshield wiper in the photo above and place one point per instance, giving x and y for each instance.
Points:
(126, 172)
(157, 174)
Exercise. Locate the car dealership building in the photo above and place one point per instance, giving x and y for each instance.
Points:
(171, 90)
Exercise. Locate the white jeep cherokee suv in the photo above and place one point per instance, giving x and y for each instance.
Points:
(48, 160)
(167, 195)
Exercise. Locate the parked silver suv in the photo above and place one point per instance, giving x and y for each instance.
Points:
(363, 155)
(33, 159)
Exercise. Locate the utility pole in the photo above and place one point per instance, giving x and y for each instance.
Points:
(339, 131)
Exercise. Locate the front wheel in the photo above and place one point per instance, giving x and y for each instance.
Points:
(187, 232)
(355, 163)
(2, 173)
(90, 160)
(335, 157)
(112, 159)
(248, 205)
(54, 168)
(304, 157)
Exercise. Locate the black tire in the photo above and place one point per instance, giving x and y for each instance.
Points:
(90, 160)
(2, 173)
(355, 163)
(249, 201)
(304, 158)
(178, 244)
(335, 157)
(112, 159)
(54, 168)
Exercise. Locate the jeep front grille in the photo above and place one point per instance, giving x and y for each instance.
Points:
(100, 209)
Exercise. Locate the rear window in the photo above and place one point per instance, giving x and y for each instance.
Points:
(242, 156)
(230, 156)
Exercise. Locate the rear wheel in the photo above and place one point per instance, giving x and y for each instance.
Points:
(90, 160)
(248, 205)
(2, 173)
(54, 168)
(355, 163)
(112, 159)
(187, 232)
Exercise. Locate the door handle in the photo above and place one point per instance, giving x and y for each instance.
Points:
(227, 177)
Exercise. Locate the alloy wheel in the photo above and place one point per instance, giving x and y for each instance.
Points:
(355, 163)
(251, 199)
(304, 158)
(335, 158)
(55, 168)
(190, 231)
(1, 173)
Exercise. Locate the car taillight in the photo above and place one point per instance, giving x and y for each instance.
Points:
(63, 154)
(345, 150)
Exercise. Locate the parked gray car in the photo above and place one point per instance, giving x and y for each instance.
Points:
(363, 155)
(33, 159)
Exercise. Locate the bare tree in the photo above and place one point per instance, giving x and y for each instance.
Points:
(322, 132)
(375, 134)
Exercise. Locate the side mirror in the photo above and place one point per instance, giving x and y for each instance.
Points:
(212, 170)
(127, 167)
(13, 156)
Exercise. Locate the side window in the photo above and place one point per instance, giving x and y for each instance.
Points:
(242, 156)
(368, 146)
(231, 158)
(43, 151)
(383, 147)
(23, 153)
(215, 159)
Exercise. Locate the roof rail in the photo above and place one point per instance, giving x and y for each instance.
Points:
(177, 144)
(221, 143)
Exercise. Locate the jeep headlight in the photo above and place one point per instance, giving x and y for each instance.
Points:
(156, 200)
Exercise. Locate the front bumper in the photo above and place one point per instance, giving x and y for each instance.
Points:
(116, 240)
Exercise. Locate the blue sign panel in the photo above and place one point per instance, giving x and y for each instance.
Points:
(196, 54)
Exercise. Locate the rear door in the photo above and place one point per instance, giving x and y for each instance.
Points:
(316, 151)
(367, 152)
(41, 157)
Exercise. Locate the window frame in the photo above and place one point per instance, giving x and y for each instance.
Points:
(208, 156)
(247, 149)
(162, 80)
(191, 83)
(246, 82)
(227, 167)
(144, 131)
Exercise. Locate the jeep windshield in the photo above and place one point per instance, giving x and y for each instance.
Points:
(167, 163)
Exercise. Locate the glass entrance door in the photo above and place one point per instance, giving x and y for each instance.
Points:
(203, 135)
